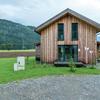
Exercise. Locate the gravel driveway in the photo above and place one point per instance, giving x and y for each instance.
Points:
(53, 88)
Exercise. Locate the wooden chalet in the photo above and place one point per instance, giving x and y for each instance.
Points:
(68, 35)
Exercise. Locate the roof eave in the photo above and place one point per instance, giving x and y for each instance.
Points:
(71, 12)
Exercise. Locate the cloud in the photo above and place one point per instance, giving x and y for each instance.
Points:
(35, 12)
(9, 10)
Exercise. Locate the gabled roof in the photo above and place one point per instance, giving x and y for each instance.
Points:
(71, 12)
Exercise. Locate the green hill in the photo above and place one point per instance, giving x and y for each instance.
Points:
(17, 36)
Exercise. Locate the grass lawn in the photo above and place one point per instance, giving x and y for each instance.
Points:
(35, 70)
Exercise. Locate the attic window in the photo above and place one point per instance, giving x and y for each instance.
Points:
(61, 31)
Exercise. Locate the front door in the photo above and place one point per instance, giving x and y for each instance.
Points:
(66, 52)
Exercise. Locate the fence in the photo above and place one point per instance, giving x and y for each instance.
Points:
(15, 54)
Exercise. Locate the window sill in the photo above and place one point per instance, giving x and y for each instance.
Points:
(61, 42)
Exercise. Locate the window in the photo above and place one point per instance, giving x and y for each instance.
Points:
(66, 52)
(61, 31)
(74, 31)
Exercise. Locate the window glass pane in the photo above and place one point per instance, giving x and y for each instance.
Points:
(61, 31)
(74, 31)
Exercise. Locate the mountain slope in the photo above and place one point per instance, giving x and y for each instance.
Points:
(17, 36)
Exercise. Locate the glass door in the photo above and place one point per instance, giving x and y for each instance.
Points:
(61, 53)
(66, 52)
(74, 52)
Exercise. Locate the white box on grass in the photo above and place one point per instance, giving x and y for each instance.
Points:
(15, 67)
(21, 61)
(20, 65)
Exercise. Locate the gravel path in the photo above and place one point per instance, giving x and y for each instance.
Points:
(53, 88)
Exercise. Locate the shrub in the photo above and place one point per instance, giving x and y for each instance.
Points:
(72, 65)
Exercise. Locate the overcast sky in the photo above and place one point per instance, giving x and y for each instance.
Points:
(35, 12)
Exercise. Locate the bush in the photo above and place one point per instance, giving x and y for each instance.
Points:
(72, 65)
(92, 67)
